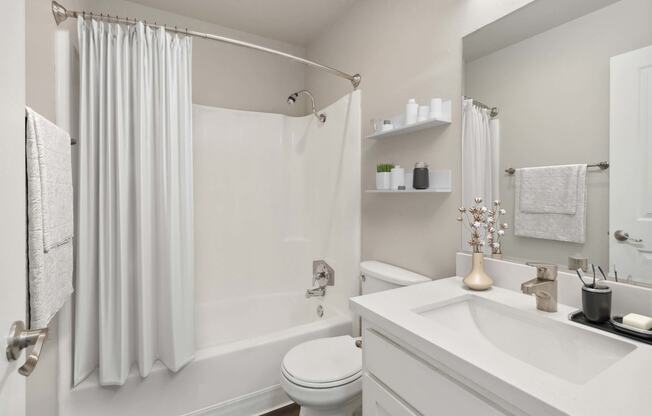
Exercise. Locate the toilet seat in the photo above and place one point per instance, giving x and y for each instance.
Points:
(323, 363)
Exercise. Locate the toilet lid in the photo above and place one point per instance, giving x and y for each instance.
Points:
(324, 360)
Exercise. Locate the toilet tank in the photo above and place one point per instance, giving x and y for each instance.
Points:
(378, 276)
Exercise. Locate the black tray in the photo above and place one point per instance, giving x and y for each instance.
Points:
(578, 316)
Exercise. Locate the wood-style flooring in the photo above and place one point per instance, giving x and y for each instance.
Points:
(291, 410)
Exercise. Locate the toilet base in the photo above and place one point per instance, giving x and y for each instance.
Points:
(351, 408)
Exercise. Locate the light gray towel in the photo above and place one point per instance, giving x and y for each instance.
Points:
(550, 203)
(549, 189)
(50, 217)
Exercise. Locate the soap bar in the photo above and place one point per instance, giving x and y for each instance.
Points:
(637, 321)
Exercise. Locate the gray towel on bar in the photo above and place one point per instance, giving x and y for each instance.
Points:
(550, 203)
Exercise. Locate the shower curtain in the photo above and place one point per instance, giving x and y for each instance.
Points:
(480, 154)
(134, 265)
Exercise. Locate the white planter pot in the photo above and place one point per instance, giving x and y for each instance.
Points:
(382, 180)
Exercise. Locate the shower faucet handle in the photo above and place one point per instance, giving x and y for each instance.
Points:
(322, 273)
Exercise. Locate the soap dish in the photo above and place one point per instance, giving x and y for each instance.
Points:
(617, 322)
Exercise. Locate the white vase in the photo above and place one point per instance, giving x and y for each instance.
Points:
(478, 279)
(382, 180)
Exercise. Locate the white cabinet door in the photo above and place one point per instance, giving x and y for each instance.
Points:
(12, 199)
(630, 153)
(376, 401)
(426, 389)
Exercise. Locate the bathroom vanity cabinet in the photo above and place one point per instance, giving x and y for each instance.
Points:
(437, 348)
(401, 382)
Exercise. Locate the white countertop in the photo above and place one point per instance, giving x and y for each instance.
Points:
(621, 389)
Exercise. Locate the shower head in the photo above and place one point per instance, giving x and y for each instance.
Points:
(293, 99)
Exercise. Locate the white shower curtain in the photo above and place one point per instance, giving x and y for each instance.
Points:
(480, 154)
(134, 263)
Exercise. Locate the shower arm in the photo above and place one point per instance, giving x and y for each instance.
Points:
(60, 14)
(320, 116)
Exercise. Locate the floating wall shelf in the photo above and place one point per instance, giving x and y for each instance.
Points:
(421, 125)
(440, 182)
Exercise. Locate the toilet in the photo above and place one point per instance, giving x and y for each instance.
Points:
(324, 376)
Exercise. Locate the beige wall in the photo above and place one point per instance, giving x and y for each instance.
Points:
(405, 49)
(553, 94)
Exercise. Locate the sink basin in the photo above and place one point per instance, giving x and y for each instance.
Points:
(566, 351)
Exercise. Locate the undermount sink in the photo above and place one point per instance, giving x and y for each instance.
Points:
(566, 351)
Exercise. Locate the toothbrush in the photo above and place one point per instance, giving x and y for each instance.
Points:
(602, 273)
(593, 267)
(615, 273)
(581, 280)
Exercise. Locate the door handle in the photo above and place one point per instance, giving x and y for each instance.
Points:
(19, 338)
(621, 235)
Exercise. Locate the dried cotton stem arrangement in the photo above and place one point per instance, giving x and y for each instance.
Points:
(484, 225)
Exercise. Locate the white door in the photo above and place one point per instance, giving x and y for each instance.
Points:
(630, 153)
(12, 199)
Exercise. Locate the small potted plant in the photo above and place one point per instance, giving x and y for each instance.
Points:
(383, 174)
(476, 220)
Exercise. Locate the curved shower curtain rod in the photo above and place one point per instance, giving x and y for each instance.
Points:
(61, 13)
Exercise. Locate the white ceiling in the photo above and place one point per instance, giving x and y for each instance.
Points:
(294, 21)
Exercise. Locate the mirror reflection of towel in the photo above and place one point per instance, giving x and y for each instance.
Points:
(550, 203)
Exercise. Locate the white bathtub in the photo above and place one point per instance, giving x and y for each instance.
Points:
(240, 344)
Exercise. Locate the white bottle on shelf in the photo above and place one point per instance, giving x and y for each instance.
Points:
(411, 111)
(424, 113)
(436, 110)
(397, 178)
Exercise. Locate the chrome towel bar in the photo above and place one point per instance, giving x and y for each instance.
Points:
(601, 165)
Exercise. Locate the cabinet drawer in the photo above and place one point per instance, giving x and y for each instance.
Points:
(424, 387)
(376, 401)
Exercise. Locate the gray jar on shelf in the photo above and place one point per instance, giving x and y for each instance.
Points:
(420, 176)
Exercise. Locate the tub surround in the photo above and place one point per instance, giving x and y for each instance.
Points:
(249, 352)
(410, 341)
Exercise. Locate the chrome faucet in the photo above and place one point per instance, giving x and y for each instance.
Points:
(323, 275)
(543, 287)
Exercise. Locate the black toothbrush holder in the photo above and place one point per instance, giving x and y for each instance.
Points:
(596, 302)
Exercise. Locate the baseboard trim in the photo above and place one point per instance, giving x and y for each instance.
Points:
(253, 404)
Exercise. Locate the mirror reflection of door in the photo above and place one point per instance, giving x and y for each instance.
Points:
(630, 208)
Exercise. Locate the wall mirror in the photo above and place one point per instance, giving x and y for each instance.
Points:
(555, 83)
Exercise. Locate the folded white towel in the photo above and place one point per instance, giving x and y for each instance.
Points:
(50, 217)
(549, 189)
(548, 216)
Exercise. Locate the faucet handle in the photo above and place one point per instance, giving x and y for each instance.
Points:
(545, 271)
(318, 277)
(322, 273)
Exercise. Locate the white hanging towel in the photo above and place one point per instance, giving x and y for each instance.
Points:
(550, 203)
(50, 226)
